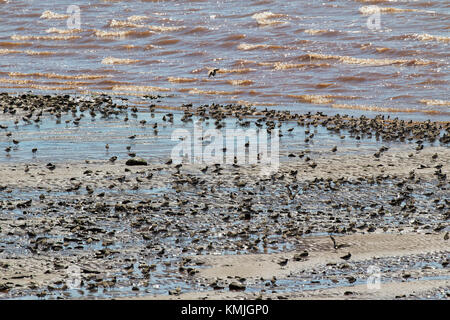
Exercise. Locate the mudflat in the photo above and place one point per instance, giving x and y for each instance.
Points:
(343, 222)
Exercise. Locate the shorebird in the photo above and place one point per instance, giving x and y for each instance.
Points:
(347, 256)
(334, 242)
(212, 72)
(337, 246)
(283, 262)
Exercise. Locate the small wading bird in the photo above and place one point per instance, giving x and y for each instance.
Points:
(212, 72)
(347, 256)
(337, 246)
(283, 262)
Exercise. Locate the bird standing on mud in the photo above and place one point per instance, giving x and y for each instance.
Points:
(334, 242)
(212, 72)
(337, 246)
(347, 256)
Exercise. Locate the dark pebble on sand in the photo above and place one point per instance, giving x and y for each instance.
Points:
(236, 286)
(136, 162)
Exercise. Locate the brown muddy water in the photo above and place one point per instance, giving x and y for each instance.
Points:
(299, 55)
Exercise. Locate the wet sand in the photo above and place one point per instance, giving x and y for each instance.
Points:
(158, 231)
(381, 250)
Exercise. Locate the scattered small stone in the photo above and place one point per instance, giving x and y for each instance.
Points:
(236, 286)
(136, 162)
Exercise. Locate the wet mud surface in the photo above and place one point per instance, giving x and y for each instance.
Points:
(78, 222)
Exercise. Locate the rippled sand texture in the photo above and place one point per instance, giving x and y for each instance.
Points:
(299, 55)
